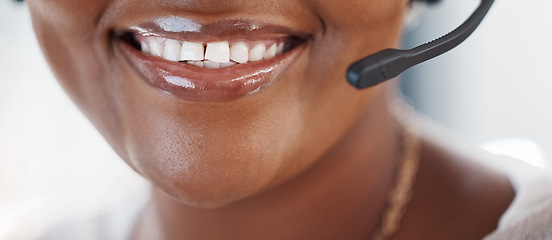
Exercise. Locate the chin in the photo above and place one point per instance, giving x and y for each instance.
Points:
(209, 182)
(202, 168)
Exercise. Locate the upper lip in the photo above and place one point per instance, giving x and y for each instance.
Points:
(208, 85)
(181, 28)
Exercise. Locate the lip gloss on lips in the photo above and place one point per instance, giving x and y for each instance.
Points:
(191, 78)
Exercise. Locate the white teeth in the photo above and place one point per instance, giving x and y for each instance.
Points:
(271, 52)
(239, 52)
(257, 52)
(145, 47)
(211, 55)
(192, 51)
(172, 50)
(228, 64)
(156, 47)
(211, 64)
(218, 52)
(196, 63)
(280, 48)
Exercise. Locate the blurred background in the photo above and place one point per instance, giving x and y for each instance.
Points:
(493, 90)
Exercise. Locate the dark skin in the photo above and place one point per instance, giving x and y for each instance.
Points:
(307, 158)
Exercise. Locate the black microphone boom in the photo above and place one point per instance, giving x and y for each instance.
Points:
(389, 63)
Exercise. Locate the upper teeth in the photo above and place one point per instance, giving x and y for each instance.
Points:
(217, 52)
(210, 55)
(191, 51)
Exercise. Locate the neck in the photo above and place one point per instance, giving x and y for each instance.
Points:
(342, 196)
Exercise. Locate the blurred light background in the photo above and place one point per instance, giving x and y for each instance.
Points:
(54, 165)
(495, 87)
(494, 90)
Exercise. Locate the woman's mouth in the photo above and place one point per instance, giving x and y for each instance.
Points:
(179, 63)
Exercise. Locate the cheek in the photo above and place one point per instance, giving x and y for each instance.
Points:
(361, 27)
(359, 12)
(353, 30)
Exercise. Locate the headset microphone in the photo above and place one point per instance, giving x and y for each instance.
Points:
(389, 63)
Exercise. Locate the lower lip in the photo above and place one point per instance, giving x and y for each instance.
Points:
(191, 83)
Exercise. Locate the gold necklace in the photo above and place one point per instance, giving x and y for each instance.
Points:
(399, 196)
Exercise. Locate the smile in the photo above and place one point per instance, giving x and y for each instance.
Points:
(184, 66)
(211, 55)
